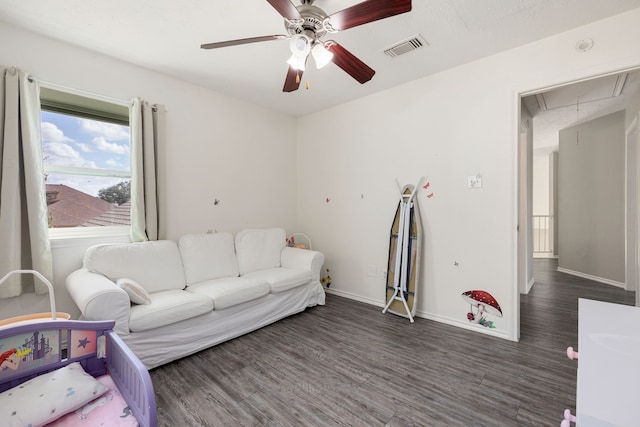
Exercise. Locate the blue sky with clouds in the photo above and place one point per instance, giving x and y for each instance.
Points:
(84, 143)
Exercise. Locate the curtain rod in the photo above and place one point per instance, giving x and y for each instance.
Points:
(85, 93)
(80, 92)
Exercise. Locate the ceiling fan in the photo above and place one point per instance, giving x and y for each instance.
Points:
(306, 27)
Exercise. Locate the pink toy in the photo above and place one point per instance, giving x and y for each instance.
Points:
(571, 354)
(568, 418)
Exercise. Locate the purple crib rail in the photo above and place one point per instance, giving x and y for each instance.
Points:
(126, 370)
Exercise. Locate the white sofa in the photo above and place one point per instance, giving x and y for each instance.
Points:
(204, 289)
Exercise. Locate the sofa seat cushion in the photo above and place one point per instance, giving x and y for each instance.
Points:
(229, 291)
(168, 307)
(281, 279)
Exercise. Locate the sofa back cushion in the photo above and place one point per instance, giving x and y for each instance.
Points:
(155, 265)
(259, 249)
(208, 256)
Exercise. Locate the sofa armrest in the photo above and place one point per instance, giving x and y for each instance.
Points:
(98, 298)
(302, 259)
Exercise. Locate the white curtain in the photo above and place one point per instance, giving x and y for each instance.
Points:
(24, 235)
(147, 124)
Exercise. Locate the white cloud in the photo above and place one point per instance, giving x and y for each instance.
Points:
(51, 133)
(110, 147)
(114, 164)
(64, 155)
(105, 130)
(84, 147)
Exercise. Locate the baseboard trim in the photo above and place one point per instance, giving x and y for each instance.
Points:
(465, 325)
(590, 277)
(354, 297)
(424, 315)
(530, 284)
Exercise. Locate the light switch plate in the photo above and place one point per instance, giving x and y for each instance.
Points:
(474, 181)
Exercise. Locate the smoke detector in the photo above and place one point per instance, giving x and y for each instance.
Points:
(584, 45)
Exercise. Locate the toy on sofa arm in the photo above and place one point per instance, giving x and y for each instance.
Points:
(53, 315)
(291, 241)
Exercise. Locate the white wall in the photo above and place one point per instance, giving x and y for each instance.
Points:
(218, 147)
(445, 127)
(633, 109)
(541, 164)
(591, 199)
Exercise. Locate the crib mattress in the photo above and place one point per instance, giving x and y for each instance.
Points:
(110, 409)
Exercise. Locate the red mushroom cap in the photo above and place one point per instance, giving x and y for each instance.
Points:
(476, 297)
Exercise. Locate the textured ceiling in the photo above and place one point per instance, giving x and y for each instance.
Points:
(165, 35)
(577, 103)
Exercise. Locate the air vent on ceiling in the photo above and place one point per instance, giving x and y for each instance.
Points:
(406, 46)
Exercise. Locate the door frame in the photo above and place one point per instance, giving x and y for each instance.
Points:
(522, 254)
(632, 207)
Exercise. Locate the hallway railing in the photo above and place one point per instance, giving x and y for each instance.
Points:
(543, 234)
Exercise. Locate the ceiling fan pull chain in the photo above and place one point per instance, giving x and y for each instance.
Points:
(307, 85)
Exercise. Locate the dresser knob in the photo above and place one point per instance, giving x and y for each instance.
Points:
(568, 419)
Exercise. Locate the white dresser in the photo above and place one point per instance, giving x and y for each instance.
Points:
(608, 391)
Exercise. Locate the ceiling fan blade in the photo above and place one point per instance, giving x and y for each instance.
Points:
(368, 11)
(349, 63)
(285, 8)
(242, 41)
(292, 81)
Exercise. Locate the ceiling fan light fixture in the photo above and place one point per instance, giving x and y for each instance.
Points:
(321, 55)
(306, 25)
(297, 63)
(300, 45)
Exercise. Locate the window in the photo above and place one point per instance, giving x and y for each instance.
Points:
(86, 156)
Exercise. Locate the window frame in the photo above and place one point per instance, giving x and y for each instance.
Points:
(71, 102)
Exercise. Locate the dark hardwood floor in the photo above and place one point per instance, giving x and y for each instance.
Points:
(347, 364)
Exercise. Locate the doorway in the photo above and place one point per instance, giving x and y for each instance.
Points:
(543, 114)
